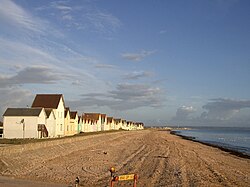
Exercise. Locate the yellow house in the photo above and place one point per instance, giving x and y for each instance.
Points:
(67, 121)
(73, 122)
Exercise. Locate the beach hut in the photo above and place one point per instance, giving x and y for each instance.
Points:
(56, 103)
(24, 123)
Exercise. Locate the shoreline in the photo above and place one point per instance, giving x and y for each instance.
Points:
(233, 152)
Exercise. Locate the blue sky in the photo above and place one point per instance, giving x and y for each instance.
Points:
(159, 62)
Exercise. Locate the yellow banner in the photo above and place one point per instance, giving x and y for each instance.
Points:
(126, 177)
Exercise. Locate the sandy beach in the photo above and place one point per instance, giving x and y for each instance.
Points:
(159, 158)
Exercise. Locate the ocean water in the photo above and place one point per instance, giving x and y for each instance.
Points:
(232, 138)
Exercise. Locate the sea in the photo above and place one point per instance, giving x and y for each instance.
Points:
(236, 139)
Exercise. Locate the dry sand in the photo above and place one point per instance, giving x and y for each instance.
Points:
(159, 158)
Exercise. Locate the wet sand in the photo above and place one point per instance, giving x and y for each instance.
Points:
(159, 158)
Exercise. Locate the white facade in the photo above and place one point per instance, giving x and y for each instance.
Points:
(23, 126)
(51, 125)
(59, 113)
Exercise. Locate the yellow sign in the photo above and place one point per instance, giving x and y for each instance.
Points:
(126, 177)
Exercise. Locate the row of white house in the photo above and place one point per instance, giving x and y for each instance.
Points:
(48, 117)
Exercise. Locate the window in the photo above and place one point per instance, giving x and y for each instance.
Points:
(61, 127)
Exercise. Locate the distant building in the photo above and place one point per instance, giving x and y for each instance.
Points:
(92, 122)
(74, 122)
(111, 123)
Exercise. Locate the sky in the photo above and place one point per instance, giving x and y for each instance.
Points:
(161, 62)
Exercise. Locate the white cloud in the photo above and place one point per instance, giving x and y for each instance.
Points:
(219, 112)
(30, 75)
(223, 109)
(83, 17)
(124, 97)
(183, 113)
(105, 66)
(17, 16)
(137, 75)
(137, 56)
(17, 97)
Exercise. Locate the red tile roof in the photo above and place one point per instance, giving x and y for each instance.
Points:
(47, 100)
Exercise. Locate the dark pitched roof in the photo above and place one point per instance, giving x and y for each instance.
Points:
(66, 111)
(22, 112)
(109, 119)
(91, 116)
(47, 100)
(73, 114)
(118, 120)
(48, 111)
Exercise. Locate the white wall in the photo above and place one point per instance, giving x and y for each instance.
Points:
(51, 125)
(13, 128)
(59, 113)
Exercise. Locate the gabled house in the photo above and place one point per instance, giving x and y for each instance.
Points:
(118, 124)
(56, 103)
(80, 125)
(67, 122)
(25, 123)
(104, 126)
(111, 123)
(139, 126)
(92, 121)
(74, 122)
(86, 123)
(124, 124)
(50, 123)
(129, 125)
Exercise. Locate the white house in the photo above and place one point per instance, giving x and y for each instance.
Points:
(111, 123)
(92, 121)
(104, 126)
(124, 124)
(50, 123)
(118, 124)
(25, 123)
(55, 102)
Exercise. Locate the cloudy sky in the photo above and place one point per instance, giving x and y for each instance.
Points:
(160, 62)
